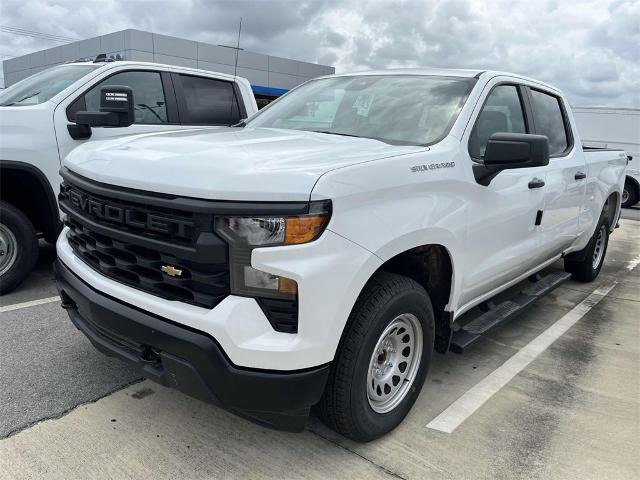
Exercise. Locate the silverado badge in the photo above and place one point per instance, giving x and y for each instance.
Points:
(171, 270)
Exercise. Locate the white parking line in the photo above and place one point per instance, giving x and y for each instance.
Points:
(18, 306)
(474, 398)
(631, 264)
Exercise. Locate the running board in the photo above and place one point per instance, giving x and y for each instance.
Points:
(495, 315)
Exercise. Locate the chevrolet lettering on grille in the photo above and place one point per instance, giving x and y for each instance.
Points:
(128, 216)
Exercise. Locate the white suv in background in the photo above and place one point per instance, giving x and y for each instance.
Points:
(37, 131)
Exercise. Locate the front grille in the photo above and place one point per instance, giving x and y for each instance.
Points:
(162, 244)
(146, 244)
(140, 267)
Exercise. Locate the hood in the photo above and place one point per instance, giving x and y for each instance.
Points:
(253, 164)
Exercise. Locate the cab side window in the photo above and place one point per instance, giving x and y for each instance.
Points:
(549, 120)
(501, 113)
(148, 95)
(207, 101)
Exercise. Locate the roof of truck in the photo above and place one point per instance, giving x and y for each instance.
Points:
(446, 72)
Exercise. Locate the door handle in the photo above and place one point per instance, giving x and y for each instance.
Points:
(536, 183)
(580, 176)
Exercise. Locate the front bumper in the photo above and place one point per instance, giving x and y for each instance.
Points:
(191, 361)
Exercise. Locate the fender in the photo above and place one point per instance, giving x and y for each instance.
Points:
(54, 224)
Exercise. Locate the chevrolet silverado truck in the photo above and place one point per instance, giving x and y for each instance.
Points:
(318, 254)
(38, 128)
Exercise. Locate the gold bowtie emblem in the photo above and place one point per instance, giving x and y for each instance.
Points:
(171, 270)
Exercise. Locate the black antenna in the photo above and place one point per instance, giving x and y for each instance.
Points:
(235, 71)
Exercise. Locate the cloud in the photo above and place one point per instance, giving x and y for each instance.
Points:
(588, 48)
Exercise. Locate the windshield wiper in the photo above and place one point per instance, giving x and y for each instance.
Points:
(335, 133)
(21, 100)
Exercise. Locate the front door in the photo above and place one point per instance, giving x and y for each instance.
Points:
(503, 242)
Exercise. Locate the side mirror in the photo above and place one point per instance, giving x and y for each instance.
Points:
(516, 150)
(116, 110)
(511, 150)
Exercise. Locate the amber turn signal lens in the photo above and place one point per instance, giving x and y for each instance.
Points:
(304, 229)
(286, 285)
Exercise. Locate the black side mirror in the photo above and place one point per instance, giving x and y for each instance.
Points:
(116, 109)
(511, 150)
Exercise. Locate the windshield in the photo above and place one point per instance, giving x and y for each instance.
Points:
(397, 109)
(44, 85)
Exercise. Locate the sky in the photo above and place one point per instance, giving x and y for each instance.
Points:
(589, 49)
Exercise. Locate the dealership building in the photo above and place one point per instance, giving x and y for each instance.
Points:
(269, 76)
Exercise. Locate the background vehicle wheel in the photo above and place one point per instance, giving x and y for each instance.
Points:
(383, 360)
(630, 195)
(18, 247)
(585, 265)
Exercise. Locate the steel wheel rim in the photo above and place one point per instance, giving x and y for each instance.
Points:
(394, 363)
(598, 250)
(8, 250)
(625, 195)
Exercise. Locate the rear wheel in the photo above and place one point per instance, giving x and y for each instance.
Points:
(585, 265)
(629, 195)
(383, 359)
(18, 247)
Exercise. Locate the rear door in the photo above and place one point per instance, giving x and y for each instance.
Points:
(207, 102)
(155, 107)
(566, 173)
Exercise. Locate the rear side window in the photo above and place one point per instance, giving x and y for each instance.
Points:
(501, 113)
(148, 96)
(549, 120)
(208, 101)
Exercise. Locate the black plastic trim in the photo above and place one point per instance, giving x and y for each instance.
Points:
(54, 223)
(170, 97)
(189, 360)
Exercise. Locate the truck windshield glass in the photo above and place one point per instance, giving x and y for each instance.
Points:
(42, 86)
(397, 109)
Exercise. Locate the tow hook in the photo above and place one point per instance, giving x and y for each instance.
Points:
(67, 302)
(150, 355)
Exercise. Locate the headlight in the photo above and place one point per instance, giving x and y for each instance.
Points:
(244, 233)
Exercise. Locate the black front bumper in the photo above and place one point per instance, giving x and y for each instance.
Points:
(189, 360)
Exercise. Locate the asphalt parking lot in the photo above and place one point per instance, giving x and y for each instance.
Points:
(553, 394)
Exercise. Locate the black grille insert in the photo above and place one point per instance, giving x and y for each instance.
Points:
(204, 285)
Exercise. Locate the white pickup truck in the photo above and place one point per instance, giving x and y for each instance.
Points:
(320, 252)
(37, 130)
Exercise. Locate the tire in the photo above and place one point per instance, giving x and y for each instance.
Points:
(629, 195)
(585, 265)
(388, 303)
(18, 247)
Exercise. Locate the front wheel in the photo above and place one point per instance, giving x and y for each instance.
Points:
(383, 360)
(585, 265)
(18, 247)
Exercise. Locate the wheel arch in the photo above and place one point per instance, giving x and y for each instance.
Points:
(432, 266)
(612, 207)
(27, 188)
